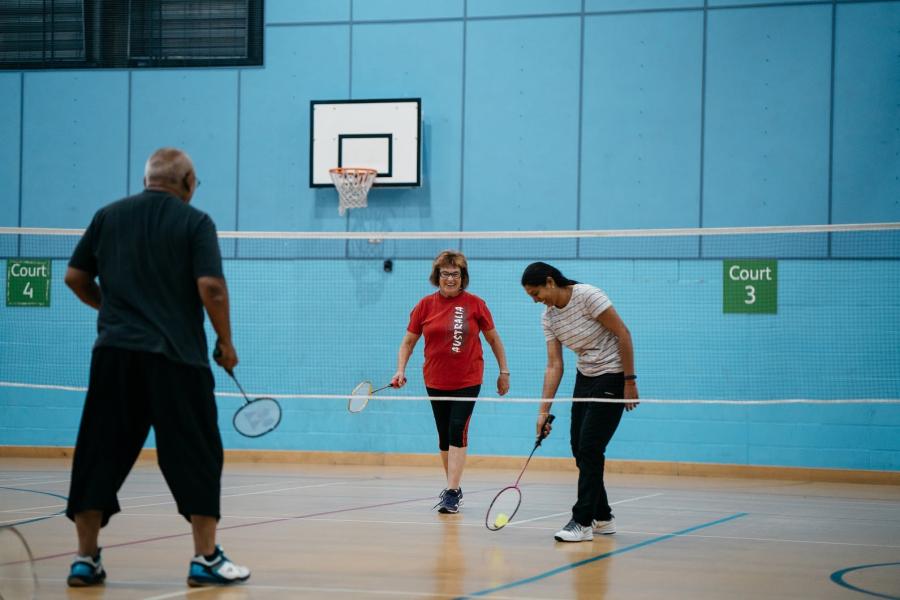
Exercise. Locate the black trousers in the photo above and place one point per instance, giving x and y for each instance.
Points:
(451, 417)
(593, 425)
(130, 391)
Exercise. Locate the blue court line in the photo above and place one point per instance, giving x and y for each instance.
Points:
(838, 578)
(35, 519)
(586, 561)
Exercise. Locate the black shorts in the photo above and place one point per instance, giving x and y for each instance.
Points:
(129, 392)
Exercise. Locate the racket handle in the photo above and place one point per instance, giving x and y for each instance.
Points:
(543, 435)
(217, 353)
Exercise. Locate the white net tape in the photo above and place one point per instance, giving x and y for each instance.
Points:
(503, 400)
(353, 186)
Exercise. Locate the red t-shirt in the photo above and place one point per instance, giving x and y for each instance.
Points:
(453, 357)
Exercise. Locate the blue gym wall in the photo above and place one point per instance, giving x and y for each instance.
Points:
(538, 114)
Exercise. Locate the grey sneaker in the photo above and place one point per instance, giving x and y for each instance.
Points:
(604, 527)
(574, 532)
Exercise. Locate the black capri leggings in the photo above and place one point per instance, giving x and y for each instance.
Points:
(452, 416)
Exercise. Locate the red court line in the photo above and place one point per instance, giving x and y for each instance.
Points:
(254, 524)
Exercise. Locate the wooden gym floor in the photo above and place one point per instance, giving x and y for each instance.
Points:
(356, 532)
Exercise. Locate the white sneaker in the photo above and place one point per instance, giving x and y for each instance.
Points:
(604, 527)
(216, 571)
(574, 532)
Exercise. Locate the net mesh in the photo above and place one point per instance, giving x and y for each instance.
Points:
(353, 187)
(314, 314)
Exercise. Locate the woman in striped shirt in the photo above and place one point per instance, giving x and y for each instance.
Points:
(582, 318)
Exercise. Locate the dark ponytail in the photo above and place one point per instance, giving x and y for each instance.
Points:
(538, 272)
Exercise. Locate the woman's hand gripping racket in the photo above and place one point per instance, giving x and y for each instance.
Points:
(256, 417)
(360, 395)
(506, 503)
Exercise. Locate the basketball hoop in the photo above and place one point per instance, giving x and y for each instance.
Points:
(353, 186)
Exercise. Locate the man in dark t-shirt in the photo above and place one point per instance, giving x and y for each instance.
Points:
(158, 264)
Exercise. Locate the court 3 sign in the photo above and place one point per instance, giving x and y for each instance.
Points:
(750, 286)
(28, 282)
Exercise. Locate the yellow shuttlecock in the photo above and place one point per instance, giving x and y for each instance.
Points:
(501, 520)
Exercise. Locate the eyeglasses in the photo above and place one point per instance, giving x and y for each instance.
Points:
(450, 274)
(197, 184)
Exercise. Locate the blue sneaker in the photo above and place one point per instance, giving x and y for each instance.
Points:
(215, 571)
(440, 499)
(451, 501)
(85, 571)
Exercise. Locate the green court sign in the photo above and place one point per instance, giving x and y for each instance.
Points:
(28, 282)
(750, 286)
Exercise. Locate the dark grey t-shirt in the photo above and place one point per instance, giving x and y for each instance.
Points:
(148, 251)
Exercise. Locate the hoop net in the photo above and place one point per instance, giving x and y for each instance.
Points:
(353, 185)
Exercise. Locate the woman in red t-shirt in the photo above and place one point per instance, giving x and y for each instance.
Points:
(451, 320)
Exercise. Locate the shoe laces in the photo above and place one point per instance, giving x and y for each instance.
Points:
(573, 526)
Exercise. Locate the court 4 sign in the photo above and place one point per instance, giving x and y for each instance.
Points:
(750, 286)
(28, 282)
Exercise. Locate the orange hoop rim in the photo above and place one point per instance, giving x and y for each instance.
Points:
(353, 170)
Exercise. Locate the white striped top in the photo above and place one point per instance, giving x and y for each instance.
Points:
(576, 327)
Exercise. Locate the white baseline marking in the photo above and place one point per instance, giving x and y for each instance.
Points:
(518, 522)
(168, 494)
(298, 487)
(31, 481)
(324, 591)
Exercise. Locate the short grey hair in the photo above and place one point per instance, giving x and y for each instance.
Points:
(168, 165)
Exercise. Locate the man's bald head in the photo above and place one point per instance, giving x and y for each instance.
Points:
(171, 169)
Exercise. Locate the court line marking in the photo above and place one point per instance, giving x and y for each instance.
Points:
(575, 565)
(257, 493)
(838, 578)
(16, 522)
(244, 525)
(568, 512)
(479, 524)
(236, 589)
(166, 494)
(35, 519)
(31, 481)
(791, 541)
(263, 517)
(326, 590)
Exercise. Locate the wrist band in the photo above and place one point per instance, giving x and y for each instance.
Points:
(630, 377)
(504, 372)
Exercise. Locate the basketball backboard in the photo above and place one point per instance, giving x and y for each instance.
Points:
(381, 134)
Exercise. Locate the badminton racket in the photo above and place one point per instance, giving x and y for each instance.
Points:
(17, 577)
(360, 395)
(256, 417)
(506, 503)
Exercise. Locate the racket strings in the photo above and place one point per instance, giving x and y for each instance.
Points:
(503, 508)
(359, 397)
(257, 417)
